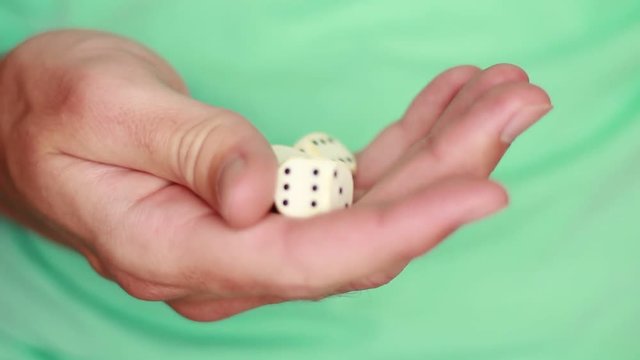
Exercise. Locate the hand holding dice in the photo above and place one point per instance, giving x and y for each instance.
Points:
(314, 177)
(170, 197)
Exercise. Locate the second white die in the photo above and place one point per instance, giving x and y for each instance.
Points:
(311, 186)
(320, 144)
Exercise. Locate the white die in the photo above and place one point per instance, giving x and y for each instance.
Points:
(319, 144)
(311, 186)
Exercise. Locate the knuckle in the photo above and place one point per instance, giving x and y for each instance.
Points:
(90, 89)
(65, 81)
(78, 92)
(200, 140)
(190, 149)
(143, 289)
(503, 73)
(436, 151)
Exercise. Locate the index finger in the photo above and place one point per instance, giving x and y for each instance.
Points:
(312, 258)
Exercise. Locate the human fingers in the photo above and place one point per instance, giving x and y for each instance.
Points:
(281, 259)
(216, 153)
(443, 101)
(416, 123)
(109, 100)
(482, 82)
(472, 146)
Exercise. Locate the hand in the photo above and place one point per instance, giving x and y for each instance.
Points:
(103, 150)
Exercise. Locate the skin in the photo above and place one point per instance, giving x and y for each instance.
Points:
(103, 150)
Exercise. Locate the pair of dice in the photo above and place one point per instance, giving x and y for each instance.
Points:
(314, 176)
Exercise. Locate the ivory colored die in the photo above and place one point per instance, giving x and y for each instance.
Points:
(319, 144)
(311, 186)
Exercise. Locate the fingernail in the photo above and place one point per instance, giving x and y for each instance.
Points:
(522, 121)
(229, 175)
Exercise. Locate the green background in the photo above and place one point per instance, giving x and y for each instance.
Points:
(556, 276)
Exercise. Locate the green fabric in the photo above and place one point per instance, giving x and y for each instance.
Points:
(556, 276)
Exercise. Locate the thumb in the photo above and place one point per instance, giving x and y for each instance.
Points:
(216, 153)
(224, 159)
